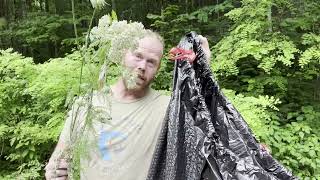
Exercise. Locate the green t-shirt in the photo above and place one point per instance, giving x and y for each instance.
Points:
(120, 148)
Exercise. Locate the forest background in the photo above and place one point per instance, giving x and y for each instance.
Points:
(265, 55)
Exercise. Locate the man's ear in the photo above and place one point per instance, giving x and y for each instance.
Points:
(159, 66)
(161, 59)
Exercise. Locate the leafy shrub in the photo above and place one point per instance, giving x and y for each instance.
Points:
(33, 104)
(295, 144)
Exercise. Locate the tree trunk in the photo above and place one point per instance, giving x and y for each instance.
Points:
(41, 5)
(46, 5)
(270, 18)
(55, 48)
(23, 7)
(3, 8)
(113, 5)
(59, 6)
(192, 5)
(13, 10)
(29, 5)
(187, 5)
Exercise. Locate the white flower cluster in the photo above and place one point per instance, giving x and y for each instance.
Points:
(98, 3)
(130, 78)
(121, 35)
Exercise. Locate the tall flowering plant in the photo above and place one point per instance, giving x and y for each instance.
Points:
(105, 47)
(113, 39)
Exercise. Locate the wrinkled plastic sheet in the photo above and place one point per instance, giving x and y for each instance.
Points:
(203, 135)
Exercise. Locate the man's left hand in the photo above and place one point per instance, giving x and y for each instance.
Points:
(205, 46)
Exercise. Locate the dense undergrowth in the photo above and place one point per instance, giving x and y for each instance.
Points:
(265, 54)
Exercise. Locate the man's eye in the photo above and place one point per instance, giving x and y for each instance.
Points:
(138, 55)
(151, 63)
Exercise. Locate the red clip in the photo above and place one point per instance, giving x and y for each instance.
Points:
(182, 54)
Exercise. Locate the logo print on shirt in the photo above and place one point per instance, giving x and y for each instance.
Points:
(105, 141)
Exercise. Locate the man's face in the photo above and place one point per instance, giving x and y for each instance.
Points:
(144, 61)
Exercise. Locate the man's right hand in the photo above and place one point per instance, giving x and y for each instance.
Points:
(59, 173)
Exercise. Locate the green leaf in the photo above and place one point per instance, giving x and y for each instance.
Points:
(312, 153)
(114, 15)
(19, 145)
(12, 141)
(301, 134)
(300, 118)
(25, 153)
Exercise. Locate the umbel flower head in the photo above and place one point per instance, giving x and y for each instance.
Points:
(117, 37)
(98, 3)
(120, 35)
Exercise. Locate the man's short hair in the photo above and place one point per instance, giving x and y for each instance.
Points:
(150, 33)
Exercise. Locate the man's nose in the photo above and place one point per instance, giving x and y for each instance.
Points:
(142, 65)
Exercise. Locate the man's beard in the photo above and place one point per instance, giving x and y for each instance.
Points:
(132, 80)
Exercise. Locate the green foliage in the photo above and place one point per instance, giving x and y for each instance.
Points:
(311, 56)
(169, 24)
(297, 147)
(32, 102)
(263, 55)
(255, 111)
(298, 17)
(43, 29)
(43, 33)
(174, 23)
(264, 52)
(163, 80)
(296, 144)
(16, 114)
(252, 37)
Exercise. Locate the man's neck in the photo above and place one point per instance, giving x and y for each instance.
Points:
(122, 93)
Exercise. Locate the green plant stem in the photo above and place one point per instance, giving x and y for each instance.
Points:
(90, 26)
(74, 21)
(85, 48)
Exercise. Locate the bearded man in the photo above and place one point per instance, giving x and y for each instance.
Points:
(122, 148)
